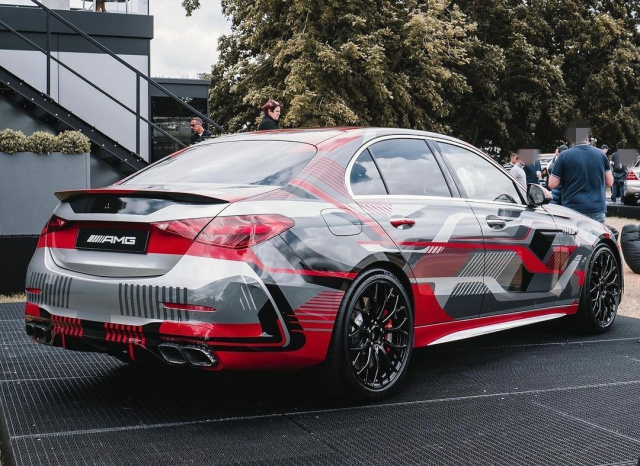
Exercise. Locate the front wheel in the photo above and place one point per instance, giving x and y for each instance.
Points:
(601, 291)
(373, 338)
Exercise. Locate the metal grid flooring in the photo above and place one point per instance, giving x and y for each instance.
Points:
(541, 395)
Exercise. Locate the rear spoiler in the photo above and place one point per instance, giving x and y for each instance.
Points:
(68, 196)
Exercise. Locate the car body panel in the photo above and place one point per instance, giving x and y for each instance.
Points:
(632, 185)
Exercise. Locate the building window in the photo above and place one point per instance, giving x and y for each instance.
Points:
(174, 119)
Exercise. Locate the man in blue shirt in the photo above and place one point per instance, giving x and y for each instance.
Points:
(533, 172)
(583, 171)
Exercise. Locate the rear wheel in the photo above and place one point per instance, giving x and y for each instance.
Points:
(630, 200)
(373, 338)
(601, 291)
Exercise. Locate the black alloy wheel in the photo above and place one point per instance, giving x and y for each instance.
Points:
(373, 338)
(601, 291)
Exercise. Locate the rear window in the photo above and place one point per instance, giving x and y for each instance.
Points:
(272, 163)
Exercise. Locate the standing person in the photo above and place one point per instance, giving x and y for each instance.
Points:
(533, 172)
(619, 174)
(584, 172)
(517, 171)
(199, 133)
(544, 177)
(100, 6)
(271, 115)
(556, 192)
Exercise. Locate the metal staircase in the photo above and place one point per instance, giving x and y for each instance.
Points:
(45, 108)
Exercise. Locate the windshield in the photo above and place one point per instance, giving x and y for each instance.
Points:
(272, 163)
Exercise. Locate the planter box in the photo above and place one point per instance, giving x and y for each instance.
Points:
(27, 184)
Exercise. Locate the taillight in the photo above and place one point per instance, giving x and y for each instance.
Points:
(243, 231)
(632, 176)
(188, 228)
(55, 223)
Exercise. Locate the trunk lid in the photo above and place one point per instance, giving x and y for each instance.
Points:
(140, 231)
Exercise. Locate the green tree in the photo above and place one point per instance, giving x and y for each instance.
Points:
(341, 63)
(596, 44)
(190, 6)
(498, 73)
(519, 96)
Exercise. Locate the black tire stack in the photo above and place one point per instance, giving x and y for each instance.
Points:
(630, 244)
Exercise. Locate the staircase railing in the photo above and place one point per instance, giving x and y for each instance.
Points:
(139, 76)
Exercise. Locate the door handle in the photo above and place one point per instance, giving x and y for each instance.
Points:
(496, 222)
(400, 222)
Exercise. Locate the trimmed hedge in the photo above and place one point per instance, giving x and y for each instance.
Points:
(40, 142)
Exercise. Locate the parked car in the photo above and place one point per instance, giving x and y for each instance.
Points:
(632, 185)
(337, 248)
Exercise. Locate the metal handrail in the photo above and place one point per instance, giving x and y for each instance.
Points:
(75, 73)
(138, 74)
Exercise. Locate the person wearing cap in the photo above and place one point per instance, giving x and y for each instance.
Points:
(271, 115)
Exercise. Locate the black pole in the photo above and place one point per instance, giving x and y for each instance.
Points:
(49, 54)
(137, 115)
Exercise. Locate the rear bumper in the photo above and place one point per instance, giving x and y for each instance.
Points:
(632, 188)
(150, 343)
(229, 313)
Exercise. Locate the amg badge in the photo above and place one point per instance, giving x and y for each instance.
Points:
(112, 240)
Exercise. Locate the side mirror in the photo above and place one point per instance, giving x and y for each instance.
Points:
(537, 195)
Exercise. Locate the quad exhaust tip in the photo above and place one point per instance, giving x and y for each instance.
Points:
(39, 332)
(187, 355)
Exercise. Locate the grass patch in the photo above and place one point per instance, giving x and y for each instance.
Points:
(13, 298)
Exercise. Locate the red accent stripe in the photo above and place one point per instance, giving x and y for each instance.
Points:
(206, 330)
(247, 255)
(188, 307)
(528, 258)
(31, 309)
(125, 334)
(319, 313)
(428, 310)
(430, 333)
(329, 173)
(66, 326)
(335, 143)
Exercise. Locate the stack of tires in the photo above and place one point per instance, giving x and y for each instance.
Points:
(630, 244)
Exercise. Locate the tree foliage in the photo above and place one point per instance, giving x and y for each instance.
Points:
(501, 73)
(190, 6)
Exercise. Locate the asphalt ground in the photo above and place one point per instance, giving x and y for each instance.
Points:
(539, 395)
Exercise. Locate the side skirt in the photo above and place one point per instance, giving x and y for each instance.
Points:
(459, 330)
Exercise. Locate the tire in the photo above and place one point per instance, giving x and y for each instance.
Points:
(630, 245)
(630, 200)
(601, 291)
(372, 339)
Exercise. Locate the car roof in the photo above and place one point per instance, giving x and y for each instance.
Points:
(318, 135)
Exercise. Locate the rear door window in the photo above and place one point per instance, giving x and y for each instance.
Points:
(365, 178)
(409, 168)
